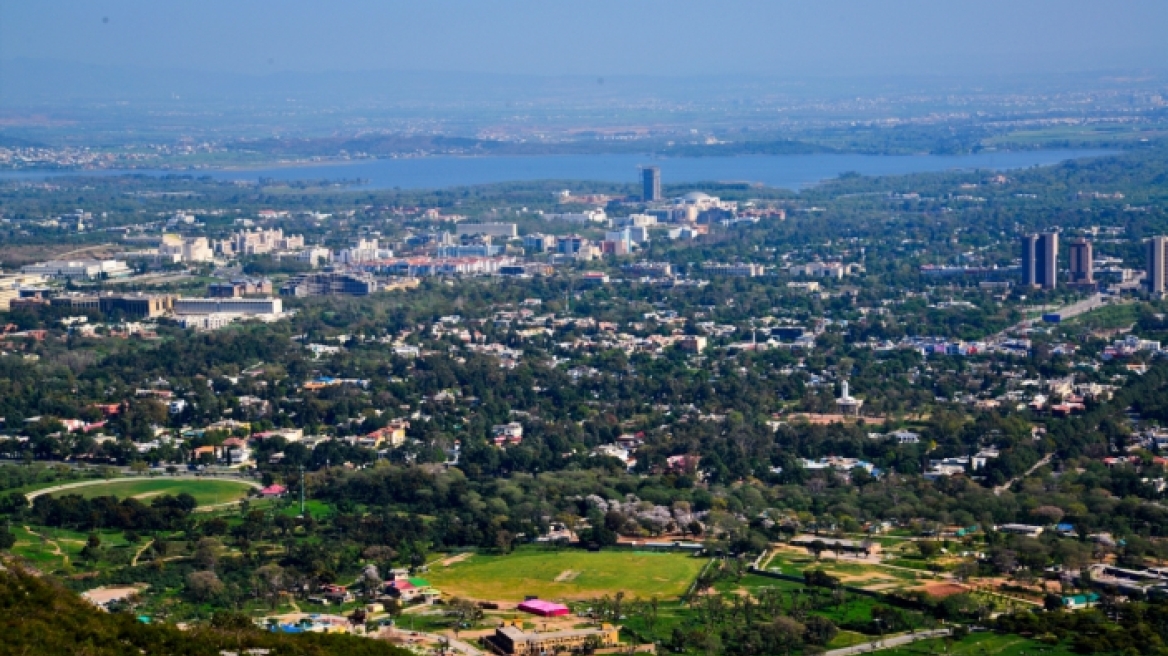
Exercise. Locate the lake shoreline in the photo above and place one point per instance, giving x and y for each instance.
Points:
(793, 172)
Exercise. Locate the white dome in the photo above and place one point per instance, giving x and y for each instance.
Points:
(695, 196)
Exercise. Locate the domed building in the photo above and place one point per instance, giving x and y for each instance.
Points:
(704, 202)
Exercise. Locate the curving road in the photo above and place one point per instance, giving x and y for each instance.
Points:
(1005, 486)
(69, 486)
(890, 641)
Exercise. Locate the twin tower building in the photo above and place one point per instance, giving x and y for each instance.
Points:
(1040, 255)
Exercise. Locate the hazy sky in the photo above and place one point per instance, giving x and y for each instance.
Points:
(595, 37)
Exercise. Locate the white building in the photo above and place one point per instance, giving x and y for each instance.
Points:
(511, 433)
(208, 321)
(704, 202)
(78, 269)
(259, 242)
(623, 238)
(504, 230)
(175, 248)
(638, 234)
(315, 256)
(365, 250)
(905, 437)
(11, 284)
(587, 216)
(240, 306)
(635, 221)
(821, 270)
(745, 270)
(847, 404)
(615, 451)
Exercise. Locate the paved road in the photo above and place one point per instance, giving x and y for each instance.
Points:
(890, 641)
(1094, 302)
(1005, 486)
(69, 486)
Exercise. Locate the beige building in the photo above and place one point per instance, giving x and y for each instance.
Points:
(10, 285)
(190, 249)
(259, 242)
(7, 295)
(513, 640)
(131, 305)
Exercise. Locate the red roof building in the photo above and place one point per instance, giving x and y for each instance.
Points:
(544, 608)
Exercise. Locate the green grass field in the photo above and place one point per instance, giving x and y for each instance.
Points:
(754, 584)
(1108, 316)
(850, 572)
(847, 639)
(582, 575)
(1076, 135)
(55, 548)
(206, 492)
(982, 644)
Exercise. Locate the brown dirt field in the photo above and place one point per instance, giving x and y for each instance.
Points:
(17, 256)
(105, 595)
(861, 578)
(942, 590)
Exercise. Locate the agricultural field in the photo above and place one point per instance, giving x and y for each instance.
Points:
(206, 492)
(981, 644)
(567, 575)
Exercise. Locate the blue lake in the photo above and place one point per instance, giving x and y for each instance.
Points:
(784, 171)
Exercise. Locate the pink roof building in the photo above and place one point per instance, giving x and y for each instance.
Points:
(273, 490)
(543, 608)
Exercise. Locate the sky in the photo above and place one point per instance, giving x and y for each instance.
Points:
(595, 37)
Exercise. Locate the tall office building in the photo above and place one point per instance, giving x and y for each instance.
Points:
(1029, 259)
(651, 183)
(1157, 254)
(1040, 260)
(1082, 262)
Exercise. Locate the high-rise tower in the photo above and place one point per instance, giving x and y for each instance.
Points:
(1040, 260)
(651, 184)
(1157, 253)
(1082, 262)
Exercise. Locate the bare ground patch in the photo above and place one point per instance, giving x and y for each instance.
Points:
(942, 590)
(456, 559)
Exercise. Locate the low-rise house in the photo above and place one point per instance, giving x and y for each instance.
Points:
(505, 434)
(1080, 601)
(1025, 530)
(865, 547)
(616, 451)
